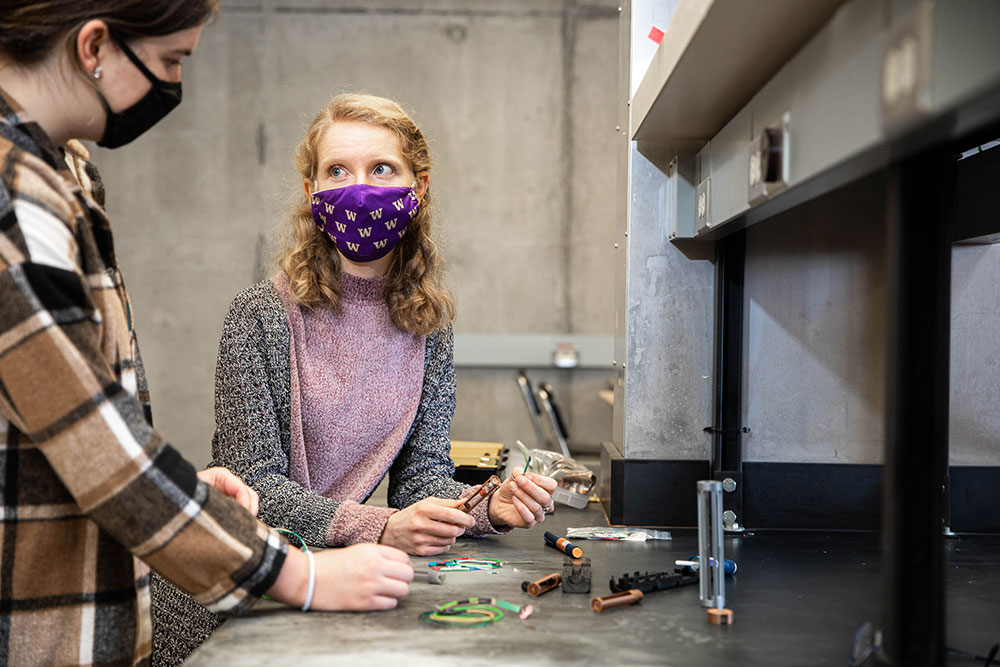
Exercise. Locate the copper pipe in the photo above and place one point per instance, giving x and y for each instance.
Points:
(543, 585)
(617, 600)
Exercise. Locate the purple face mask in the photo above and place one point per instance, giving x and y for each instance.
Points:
(365, 221)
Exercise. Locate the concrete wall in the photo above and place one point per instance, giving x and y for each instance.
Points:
(816, 290)
(518, 100)
(668, 317)
(975, 363)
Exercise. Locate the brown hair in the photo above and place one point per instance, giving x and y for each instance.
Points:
(418, 301)
(29, 30)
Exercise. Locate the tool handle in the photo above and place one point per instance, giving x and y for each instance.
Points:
(729, 566)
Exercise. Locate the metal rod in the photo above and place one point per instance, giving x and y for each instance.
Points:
(552, 412)
(718, 557)
(529, 400)
(711, 580)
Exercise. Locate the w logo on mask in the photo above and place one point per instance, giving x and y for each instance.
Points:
(353, 216)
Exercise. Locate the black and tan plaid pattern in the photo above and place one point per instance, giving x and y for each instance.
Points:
(88, 487)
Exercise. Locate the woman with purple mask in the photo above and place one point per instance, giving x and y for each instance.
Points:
(339, 369)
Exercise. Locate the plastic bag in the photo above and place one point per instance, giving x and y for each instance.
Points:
(569, 473)
(574, 478)
(617, 533)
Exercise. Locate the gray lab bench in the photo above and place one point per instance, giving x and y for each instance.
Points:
(797, 600)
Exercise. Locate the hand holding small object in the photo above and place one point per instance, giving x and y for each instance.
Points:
(522, 501)
(427, 527)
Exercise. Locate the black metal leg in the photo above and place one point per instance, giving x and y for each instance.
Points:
(727, 442)
(919, 197)
(731, 262)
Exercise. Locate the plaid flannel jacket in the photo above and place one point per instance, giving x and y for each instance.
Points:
(88, 488)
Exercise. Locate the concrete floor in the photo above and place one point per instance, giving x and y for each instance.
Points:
(797, 600)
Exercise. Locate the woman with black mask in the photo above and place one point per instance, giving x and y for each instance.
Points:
(93, 496)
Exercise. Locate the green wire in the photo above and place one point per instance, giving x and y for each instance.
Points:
(465, 564)
(464, 613)
(305, 547)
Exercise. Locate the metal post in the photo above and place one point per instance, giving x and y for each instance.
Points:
(716, 565)
(919, 196)
(704, 542)
(711, 557)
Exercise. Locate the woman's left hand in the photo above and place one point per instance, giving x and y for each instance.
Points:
(522, 500)
(231, 485)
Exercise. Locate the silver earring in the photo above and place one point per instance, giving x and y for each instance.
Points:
(98, 71)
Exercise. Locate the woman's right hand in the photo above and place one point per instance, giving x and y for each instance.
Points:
(427, 527)
(362, 577)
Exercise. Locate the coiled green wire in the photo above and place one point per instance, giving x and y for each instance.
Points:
(469, 613)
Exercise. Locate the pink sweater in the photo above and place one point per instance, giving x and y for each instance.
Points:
(356, 383)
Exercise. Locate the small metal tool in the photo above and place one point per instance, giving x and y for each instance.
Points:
(691, 564)
(548, 401)
(533, 410)
(429, 576)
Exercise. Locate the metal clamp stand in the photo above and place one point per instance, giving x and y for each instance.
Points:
(711, 578)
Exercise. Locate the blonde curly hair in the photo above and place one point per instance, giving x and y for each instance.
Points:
(418, 301)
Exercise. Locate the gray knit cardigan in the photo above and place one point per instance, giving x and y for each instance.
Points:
(253, 439)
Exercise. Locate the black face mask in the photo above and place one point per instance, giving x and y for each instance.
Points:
(124, 126)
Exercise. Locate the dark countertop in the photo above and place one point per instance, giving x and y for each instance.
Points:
(797, 600)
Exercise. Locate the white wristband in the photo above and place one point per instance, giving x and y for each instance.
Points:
(312, 581)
